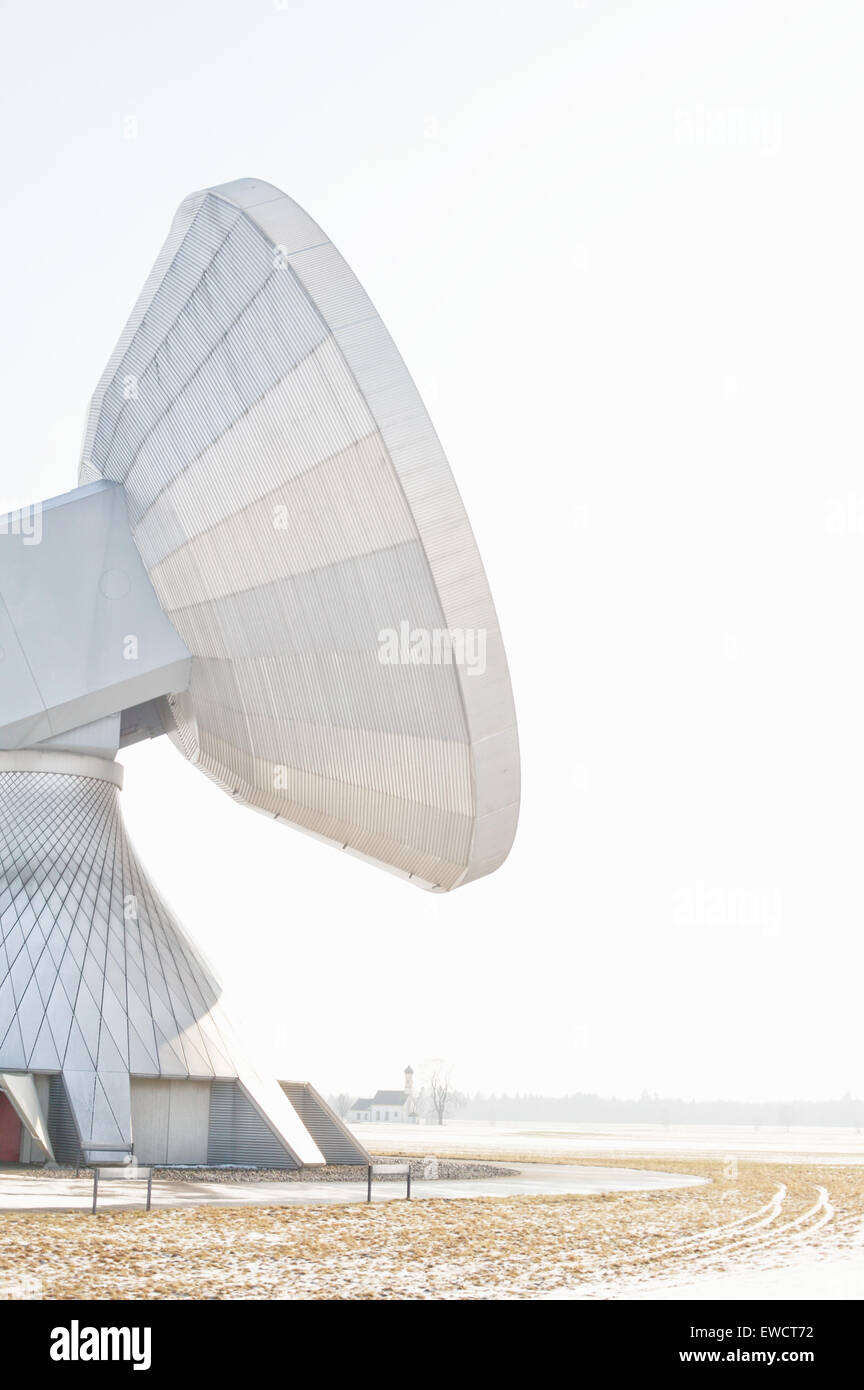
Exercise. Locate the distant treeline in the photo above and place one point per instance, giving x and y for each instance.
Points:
(658, 1110)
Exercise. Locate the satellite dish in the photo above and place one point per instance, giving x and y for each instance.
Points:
(267, 559)
(292, 503)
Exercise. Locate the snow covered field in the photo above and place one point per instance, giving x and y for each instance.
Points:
(779, 1215)
(534, 1139)
(755, 1228)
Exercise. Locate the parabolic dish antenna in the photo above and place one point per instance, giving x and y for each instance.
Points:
(266, 558)
(292, 503)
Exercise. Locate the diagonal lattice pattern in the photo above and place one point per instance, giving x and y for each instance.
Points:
(97, 979)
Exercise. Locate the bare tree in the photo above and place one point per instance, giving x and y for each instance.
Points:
(442, 1098)
(341, 1104)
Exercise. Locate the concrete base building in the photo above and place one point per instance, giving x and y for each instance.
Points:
(173, 1124)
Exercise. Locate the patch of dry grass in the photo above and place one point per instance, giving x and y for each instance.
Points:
(487, 1247)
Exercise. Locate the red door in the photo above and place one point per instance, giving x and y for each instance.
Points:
(10, 1132)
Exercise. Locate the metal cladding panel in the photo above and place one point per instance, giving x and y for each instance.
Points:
(189, 1126)
(84, 630)
(170, 1121)
(151, 1113)
(334, 1139)
(295, 511)
(238, 1133)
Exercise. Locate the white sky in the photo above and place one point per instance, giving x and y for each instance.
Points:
(619, 246)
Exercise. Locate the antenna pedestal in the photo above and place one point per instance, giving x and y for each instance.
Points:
(102, 994)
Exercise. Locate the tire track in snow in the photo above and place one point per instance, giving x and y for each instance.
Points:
(776, 1239)
(762, 1237)
(768, 1213)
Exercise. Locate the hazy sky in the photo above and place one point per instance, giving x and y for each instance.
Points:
(619, 246)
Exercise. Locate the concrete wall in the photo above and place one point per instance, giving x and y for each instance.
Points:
(31, 1151)
(170, 1120)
